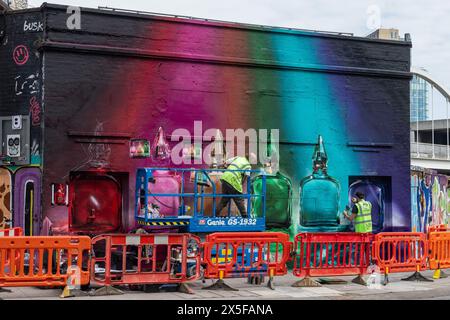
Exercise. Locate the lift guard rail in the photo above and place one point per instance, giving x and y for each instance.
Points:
(192, 189)
(44, 261)
(119, 259)
(244, 254)
(331, 254)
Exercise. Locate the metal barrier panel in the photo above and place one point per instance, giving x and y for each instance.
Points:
(13, 232)
(331, 254)
(439, 253)
(400, 251)
(44, 261)
(240, 254)
(145, 258)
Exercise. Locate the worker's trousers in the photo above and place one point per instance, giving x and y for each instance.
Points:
(228, 189)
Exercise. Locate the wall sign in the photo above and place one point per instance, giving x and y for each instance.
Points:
(139, 148)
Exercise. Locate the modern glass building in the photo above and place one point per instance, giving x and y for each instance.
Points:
(419, 100)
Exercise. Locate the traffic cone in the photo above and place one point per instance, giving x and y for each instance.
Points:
(437, 274)
(66, 293)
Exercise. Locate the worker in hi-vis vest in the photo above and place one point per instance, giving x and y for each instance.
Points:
(361, 214)
(232, 182)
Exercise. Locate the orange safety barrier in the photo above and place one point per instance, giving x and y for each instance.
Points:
(245, 254)
(44, 261)
(439, 250)
(401, 252)
(439, 227)
(135, 259)
(13, 232)
(331, 254)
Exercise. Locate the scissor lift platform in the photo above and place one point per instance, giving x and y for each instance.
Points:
(199, 221)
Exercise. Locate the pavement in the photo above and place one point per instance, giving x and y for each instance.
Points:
(396, 289)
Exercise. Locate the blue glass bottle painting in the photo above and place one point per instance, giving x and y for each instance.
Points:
(319, 196)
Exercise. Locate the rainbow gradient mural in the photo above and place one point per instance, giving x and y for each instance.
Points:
(122, 76)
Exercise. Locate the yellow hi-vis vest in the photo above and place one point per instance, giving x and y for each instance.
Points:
(234, 178)
(363, 219)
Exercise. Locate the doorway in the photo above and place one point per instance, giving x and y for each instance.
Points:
(378, 191)
(5, 199)
(27, 201)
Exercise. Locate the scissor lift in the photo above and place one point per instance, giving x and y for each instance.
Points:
(198, 221)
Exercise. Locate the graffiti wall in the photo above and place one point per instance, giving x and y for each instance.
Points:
(21, 119)
(21, 84)
(429, 199)
(136, 75)
(5, 199)
(121, 77)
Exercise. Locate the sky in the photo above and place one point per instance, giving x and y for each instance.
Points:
(427, 21)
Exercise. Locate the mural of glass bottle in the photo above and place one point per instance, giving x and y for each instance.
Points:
(319, 193)
(278, 191)
(215, 161)
(160, 148)
(165, 182)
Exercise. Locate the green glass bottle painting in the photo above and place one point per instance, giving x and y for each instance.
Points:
(278, 190)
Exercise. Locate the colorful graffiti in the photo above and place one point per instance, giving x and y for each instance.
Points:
(35, 111)
(228, 77)
(5, 198)
(21, 55)
(429, 199)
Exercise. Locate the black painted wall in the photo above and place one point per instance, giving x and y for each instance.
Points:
(21, 72)
(119, 77)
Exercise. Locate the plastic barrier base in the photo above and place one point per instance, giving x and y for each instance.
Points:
(220, 285)
(106, 291)
(416, 276)
(359, 280)
(306, 282)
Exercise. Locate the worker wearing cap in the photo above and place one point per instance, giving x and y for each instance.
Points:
(232, 182)
(361, 214)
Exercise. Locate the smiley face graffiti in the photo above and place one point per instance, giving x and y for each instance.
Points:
(21, 55)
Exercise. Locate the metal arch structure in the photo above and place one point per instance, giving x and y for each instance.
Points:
(435, 83)
(435, 163)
